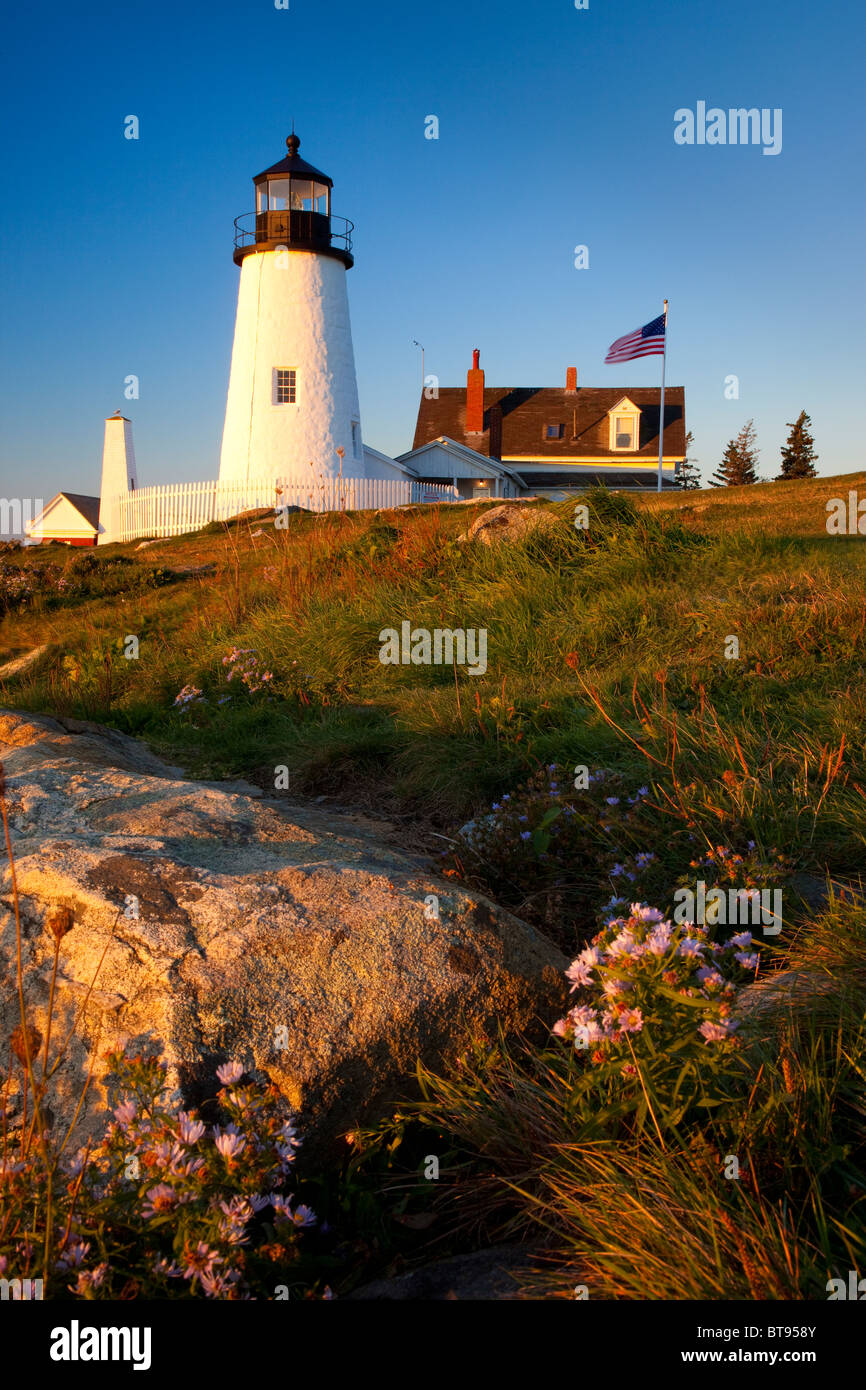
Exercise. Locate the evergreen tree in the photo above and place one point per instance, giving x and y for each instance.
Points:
(689, 475)
(739, 463)
(798, 455)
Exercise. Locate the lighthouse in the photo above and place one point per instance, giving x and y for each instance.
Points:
(293, 397)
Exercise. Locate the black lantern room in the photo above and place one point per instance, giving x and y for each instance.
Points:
(293, 209)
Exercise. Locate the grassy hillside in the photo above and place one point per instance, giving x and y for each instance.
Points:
(618, 744)
(605, 649)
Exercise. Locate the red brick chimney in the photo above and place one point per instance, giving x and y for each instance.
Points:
(475, 396)
(571, 378)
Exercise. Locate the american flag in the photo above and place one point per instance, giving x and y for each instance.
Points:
(643, 342)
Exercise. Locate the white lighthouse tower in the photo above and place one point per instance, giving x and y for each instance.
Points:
(293, 397)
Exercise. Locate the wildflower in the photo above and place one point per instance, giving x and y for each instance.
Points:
(191, 1130)
(715, 1032)
(630, 1021)
(742, 940)
(289, 1134)
(690, 947)
(89, 1279)
(189, 1168)
(617, 871)
(642, 860)
(525, 835)
(748, 962)
(199, 1260)
(160, 1200)
(230, 1072)
(126, 1112)
(238, 1208)
(580, 970)
(168, 1154)
(659, 939)
(623, 945)
(610, 987)
(611, 800)
(236, 1215)
(301, 1218)
(646, 914)
(169, 1268)
(189, 695)
(229, 1145)
(73, 1255)
(217, 1285)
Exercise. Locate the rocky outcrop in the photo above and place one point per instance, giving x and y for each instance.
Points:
(216, 923)
(510, 522)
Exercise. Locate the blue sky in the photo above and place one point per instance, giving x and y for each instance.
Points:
(555, 129)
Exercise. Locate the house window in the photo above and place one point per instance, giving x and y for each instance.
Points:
(285, 385)
(554, 431)
(356, 439)
(625, 432)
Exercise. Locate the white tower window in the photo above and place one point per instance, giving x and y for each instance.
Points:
(356, 439)
(285, 385)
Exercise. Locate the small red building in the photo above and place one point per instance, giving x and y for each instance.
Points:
(70, 517)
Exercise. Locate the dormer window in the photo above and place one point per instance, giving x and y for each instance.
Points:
(554, 431)
(625, 427)
(624, 432)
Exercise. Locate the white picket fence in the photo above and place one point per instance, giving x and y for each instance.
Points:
(177, 508)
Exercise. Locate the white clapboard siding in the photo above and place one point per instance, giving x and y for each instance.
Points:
(178, 508)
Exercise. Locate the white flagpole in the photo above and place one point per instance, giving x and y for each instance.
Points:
(662, 406)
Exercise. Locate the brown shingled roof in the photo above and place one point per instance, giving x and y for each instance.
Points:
(526, 410)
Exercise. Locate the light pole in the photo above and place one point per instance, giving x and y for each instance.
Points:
(421, 346)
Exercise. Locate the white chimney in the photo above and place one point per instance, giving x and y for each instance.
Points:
(118, 474)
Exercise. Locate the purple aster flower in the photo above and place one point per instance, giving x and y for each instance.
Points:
(715, 1032)
(229, 1145)
(191, 1130)
(160, 1199)
(229, 1073)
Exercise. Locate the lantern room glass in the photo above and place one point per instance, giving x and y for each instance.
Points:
(290, 194)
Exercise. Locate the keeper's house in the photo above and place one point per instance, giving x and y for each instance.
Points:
(555, 440)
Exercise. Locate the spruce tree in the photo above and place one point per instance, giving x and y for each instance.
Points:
(739, 461)
(798, 455)
(689, 475)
